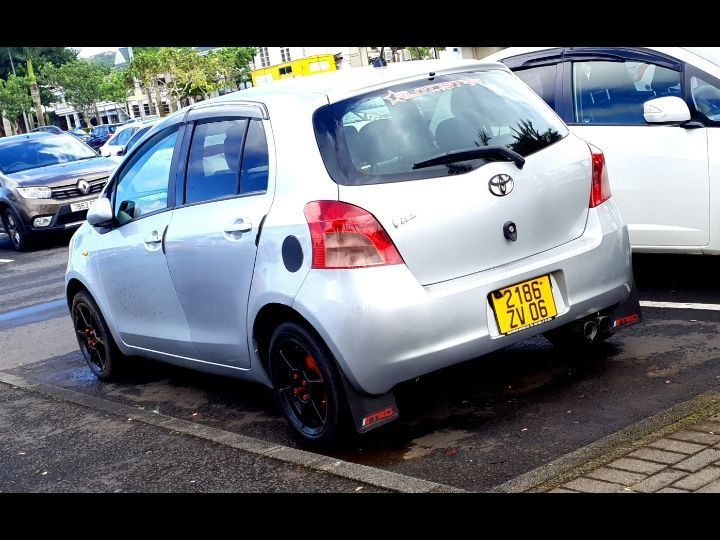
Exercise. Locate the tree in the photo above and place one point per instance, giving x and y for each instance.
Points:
(81, 82)
(115, 85)
(232, 64)
(145, 66)
(423, 53)
(191, 75)
(14, 98)
(28, 54)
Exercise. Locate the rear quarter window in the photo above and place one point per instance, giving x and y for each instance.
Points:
(377, 137)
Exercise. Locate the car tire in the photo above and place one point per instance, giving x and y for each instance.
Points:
(17, 232)
(97, 345)
(307, 385)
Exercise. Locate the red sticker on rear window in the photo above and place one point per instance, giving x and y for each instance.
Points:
(393, 98)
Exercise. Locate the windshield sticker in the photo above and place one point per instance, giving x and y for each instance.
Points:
(393, 98)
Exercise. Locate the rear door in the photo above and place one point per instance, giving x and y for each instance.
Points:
(449, 220)
(211, 242)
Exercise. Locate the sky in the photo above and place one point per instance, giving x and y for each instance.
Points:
(85, 52)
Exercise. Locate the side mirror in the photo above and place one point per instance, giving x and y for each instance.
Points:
(664, 110)
(100, 213)
(121, 152)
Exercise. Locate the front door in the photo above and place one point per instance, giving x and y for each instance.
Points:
(211, 241)
(130, 258)
(658, 174)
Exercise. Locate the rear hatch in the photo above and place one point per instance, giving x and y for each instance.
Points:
(454, 219)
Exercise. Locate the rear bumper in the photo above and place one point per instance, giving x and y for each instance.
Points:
(384, 327)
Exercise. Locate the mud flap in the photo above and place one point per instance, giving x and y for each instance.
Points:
(369, 411)
(628, 312)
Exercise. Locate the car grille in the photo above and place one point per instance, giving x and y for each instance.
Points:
(70, 192)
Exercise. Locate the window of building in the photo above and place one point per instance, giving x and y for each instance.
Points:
(285, 54)
(264, 57)
(285, 70)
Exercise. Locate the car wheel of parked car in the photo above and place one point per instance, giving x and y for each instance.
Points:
(307, 384)
(14, 228)
(96, 343)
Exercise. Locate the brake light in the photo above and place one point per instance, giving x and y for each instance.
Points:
(600, 191)
(347, 236)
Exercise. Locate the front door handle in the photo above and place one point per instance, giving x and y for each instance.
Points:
(153, 238)
(154, 241)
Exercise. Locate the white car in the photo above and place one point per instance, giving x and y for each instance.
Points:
(121, 137)
(655, 113)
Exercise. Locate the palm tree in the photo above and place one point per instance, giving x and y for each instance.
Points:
(27, 54)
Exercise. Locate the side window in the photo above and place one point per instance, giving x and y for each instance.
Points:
(542, 81)
(255, 161)
(706, 98)
(123, 137)
(214, 161)
(143, 185)
(614, 92)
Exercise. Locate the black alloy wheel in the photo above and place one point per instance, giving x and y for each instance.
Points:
(96, 343)
(307, 384)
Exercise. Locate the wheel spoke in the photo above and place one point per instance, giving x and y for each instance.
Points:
(82, 316)
(320, 417)
(287, 362)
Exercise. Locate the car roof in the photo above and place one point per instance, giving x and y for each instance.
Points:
(34, 135)
(680, 53)
(347, 82)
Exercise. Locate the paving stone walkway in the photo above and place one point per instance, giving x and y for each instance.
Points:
(682, 462)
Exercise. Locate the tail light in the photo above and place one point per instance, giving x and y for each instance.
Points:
(600, 191)
(347, 236)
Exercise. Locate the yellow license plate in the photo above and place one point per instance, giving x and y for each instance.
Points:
(523, 305)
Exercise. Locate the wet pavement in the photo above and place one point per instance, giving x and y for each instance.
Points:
(478, 424)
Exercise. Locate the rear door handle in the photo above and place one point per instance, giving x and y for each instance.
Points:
(237, 228)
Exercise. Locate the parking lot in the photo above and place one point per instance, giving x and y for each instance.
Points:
(475, 426)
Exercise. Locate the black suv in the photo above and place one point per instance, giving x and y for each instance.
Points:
(47, 182)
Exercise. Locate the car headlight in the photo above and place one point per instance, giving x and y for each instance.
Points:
(41, 192)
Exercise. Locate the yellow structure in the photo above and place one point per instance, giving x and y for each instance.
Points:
(310, 65)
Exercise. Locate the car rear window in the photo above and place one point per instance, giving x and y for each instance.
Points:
(377, 137)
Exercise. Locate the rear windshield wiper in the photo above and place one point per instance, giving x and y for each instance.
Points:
(498, 153)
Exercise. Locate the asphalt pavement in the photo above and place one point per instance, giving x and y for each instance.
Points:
(475, 426)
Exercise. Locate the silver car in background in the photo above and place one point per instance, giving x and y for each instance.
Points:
(335, 235)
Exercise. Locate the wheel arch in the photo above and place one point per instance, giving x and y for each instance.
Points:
(73, 287)
(267, 320)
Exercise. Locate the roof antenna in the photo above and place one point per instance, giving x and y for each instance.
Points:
(380, 60)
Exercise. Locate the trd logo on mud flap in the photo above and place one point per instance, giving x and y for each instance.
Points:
(375, 417)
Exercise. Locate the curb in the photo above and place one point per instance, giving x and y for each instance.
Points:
(310, 460)
(605, 450)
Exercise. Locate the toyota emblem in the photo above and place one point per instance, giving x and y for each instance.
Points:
(501, 185)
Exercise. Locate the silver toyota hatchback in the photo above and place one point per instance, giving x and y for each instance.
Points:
(332, 236)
